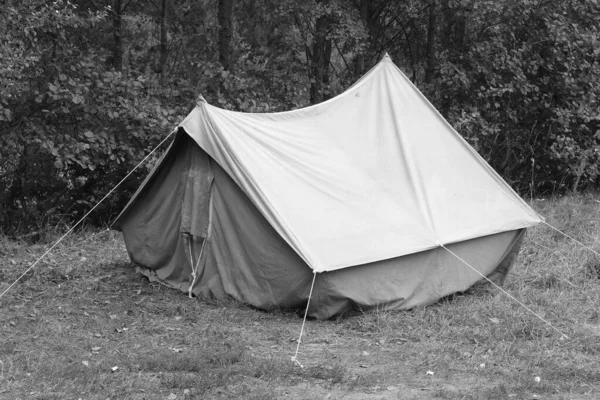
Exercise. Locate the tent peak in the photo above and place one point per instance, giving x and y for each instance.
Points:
(386, 57)
(200, 100)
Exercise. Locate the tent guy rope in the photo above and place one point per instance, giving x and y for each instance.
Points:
(70, 246)
(295, 356)
(572, 238)
(563, 336)
(86, 215)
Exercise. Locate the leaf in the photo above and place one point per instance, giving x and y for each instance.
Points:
(88, 134)
(495, 320)
(7, 115)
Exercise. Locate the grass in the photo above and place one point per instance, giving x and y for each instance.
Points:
(84, 311)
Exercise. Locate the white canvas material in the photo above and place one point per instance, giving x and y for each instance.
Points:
(372, 174)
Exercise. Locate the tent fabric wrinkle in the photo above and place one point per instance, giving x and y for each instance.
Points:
(362, 190)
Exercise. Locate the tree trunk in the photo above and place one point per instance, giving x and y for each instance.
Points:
(225, 31)
(370, 12)
(461, 32)
(320, 57)
(359, 63)
(431, 67)
(163, 43)
(117, 56)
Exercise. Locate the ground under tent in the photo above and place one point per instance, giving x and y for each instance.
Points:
(372, 191)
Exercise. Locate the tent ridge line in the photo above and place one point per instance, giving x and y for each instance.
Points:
(365, 78)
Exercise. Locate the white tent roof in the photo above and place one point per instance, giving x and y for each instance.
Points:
(371, 174)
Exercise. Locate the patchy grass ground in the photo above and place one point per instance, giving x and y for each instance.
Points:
(85, 325)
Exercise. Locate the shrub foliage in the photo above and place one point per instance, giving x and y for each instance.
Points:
(89, 87)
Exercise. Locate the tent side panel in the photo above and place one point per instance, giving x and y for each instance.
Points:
(151, 226)
(245, 257)
(416, 279)
(159, 166)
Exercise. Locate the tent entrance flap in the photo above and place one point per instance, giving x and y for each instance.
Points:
(196, 208)
(196, 202)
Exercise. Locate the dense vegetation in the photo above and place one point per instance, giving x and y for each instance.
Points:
(88, 87)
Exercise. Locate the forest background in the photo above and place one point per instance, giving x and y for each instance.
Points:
(89, 87)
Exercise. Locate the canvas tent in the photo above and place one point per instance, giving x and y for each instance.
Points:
(361, 190)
